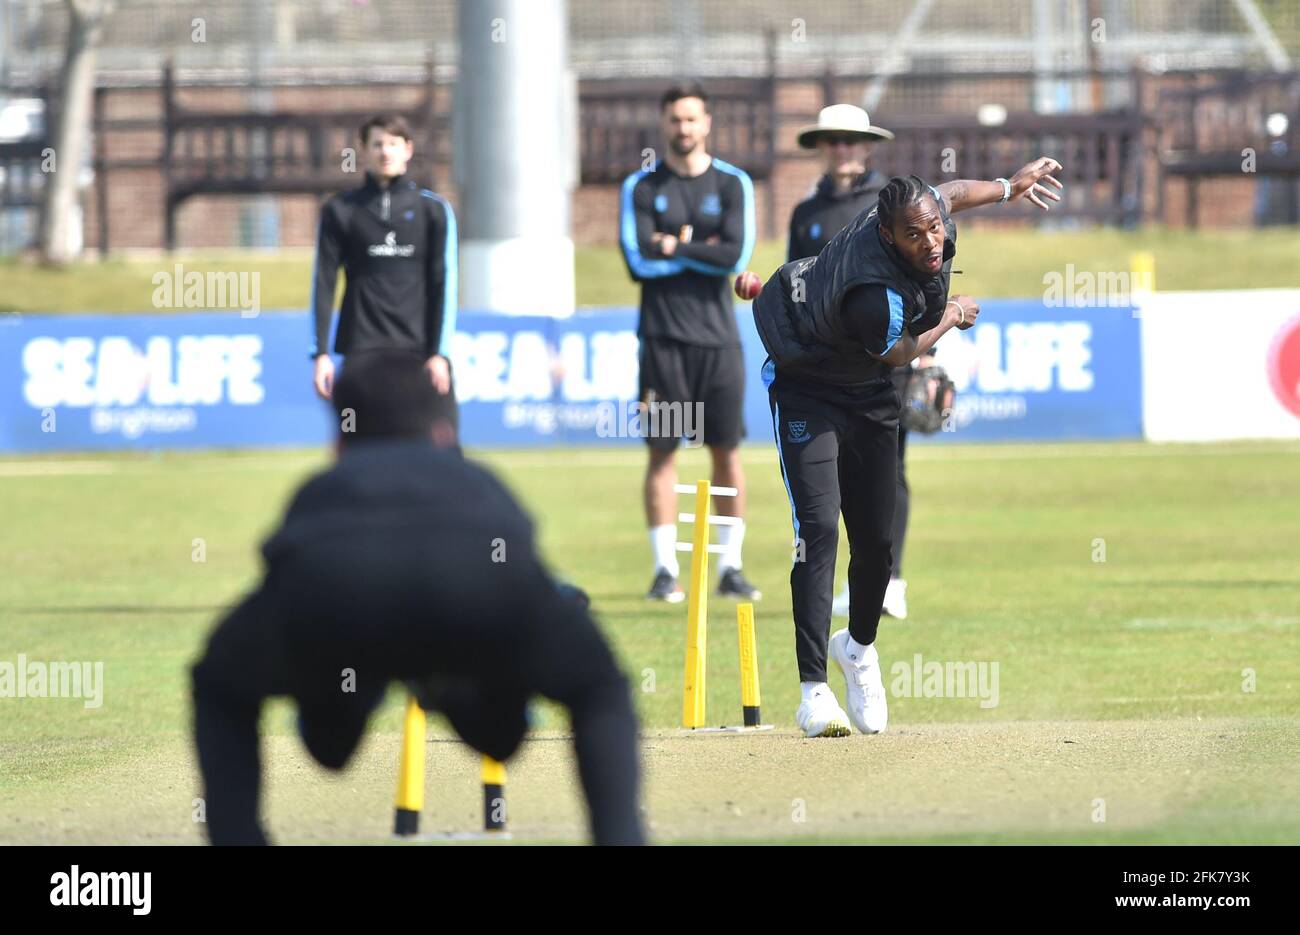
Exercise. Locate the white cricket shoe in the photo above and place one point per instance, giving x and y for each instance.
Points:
(840, 607)
(895, 599)
(820, 715)
(864, 691)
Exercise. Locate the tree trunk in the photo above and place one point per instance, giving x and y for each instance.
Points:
(59, 238)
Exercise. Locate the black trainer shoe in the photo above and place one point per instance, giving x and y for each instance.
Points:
(733, 584)
(666, 588)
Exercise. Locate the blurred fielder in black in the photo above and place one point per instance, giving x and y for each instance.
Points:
(405, 561)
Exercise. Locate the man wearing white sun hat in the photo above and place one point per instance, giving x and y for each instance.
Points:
(844, 137)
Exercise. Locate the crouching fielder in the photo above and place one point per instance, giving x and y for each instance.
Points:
(834, 327)
(405, 561)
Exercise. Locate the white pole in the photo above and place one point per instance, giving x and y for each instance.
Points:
(515, 157)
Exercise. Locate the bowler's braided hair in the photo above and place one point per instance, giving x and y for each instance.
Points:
(900, 193)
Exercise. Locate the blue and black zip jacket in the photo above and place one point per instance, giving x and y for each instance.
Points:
(687, 297)
(397, 247)
(826, 212)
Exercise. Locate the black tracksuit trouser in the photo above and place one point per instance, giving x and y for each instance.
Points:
(902, 504)
(836, 459)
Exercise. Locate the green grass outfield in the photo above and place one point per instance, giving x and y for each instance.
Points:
(994, 263)
(1121, 682)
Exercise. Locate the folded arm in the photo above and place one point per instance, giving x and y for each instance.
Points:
(734, 244)
(637, 233)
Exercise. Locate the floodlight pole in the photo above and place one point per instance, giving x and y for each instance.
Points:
(515, 156)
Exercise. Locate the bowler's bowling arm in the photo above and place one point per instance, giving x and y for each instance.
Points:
(1033, 182)
(962, 194)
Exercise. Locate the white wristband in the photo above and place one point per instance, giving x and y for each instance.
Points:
(961, 312)
(1006, 190)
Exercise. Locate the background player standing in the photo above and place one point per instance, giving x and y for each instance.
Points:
(396, 243)
(844, 138)
(834, 327)
(685, 226)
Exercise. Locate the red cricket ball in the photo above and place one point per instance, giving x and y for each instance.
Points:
(748, 285)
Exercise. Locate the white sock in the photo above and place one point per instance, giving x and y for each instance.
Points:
(808, 689)
(730, 538)
(663, 543)
(857, 651)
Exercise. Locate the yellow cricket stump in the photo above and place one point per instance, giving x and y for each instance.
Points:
(749, 696)
(494, 795)
(693, 696)
(697, 625)
(410, 782)
(410, 773)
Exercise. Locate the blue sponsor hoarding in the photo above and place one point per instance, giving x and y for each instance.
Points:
(208, 379)
(1028, 372)
(218, 379)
